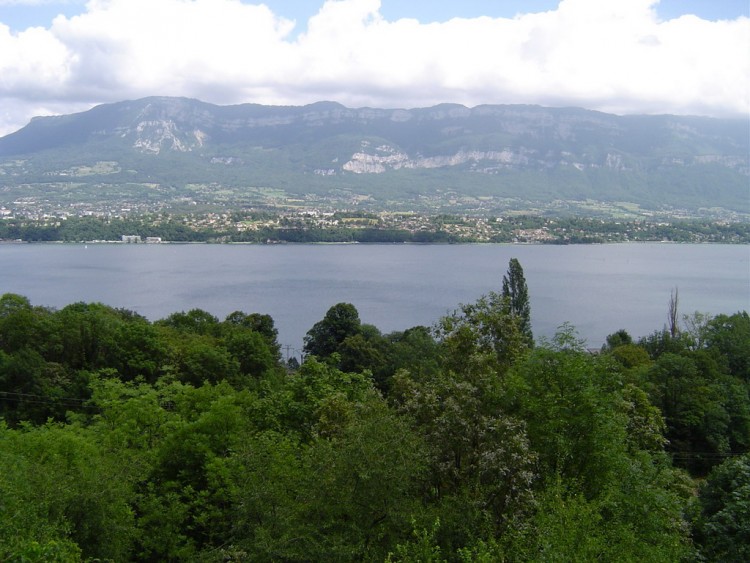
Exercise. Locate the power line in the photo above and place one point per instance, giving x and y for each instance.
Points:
(44, 400)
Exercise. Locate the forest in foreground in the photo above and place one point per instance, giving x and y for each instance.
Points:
(190, 439)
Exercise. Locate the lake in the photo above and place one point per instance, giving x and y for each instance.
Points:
(597, 288)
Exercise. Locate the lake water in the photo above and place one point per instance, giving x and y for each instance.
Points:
(597, 288)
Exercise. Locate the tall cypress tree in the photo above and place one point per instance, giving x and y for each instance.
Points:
(517, 294)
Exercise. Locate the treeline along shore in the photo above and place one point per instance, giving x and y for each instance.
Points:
(190, 438)
(263, 227)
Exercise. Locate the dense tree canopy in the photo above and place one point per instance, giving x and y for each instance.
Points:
(188, 439)
(340, 322)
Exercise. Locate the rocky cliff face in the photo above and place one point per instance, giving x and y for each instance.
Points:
(155, 136)
(384, 158)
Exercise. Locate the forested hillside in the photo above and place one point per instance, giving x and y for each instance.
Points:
(190, 439)
(161, 151)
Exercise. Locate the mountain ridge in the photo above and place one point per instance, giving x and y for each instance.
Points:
(506, 151)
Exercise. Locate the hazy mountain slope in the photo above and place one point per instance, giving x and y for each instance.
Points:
(526, 152)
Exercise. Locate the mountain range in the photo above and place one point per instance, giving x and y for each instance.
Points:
(513, 152)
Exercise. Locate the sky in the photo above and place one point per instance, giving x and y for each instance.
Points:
(617, 56)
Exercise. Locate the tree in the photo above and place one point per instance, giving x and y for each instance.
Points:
(59, 488)
(414, 350)
(723, 526)
(252, 352)
(195, 320)
(516, 291)
(688, 391)
(340, 322)
(19, 323)
(359, 354)
(480, 465)
(728, 337)
(672, 313)
(362, 484)
(481, 333)
(569, 404)
(196, 358)
(620, 338)
(609, 492)
(262, 324)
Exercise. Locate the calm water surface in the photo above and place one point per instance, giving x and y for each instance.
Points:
(597, 288)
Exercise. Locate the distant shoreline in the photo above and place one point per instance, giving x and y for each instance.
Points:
(350, 243)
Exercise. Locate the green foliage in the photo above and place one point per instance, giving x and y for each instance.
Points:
(609, 492)
(358, 354)
(729, 338)
(257, 322)
(574, 414)
(662, 342)
(18, 322)
(723, 523)
(185, 439)
(482, 333)
(252, 352)
(52, 551)
(61, 490)
(414, 350)
(196, 321)
(619, 338)
(481, 467)
(364, 485)
(318, 398)
(568, 526)
(95, 336)
(196, 359)
(420, 549)
(562, 154)
(645, 426)
(696, 405)
(189, 225)
(340, 322)
(631, 355)
(517, 294)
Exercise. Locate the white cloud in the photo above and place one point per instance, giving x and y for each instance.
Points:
(32, 61)
(613, 55)
(29, 2)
